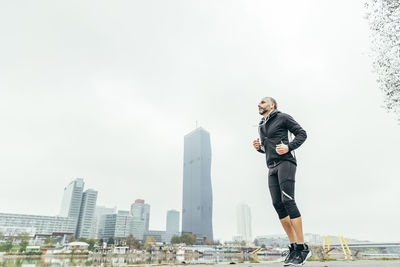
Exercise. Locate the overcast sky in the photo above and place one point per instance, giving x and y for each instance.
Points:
(106, 90)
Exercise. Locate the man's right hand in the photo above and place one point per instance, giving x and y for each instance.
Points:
(256, 144)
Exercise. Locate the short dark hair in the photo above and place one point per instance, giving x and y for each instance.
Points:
(271, 100)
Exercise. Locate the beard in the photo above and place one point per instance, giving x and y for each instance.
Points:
(262, 111)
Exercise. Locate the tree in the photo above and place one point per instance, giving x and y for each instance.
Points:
(243, 243)
(23, 246)
(132, 242)
(383, 17)
(49, 241)
(256, 242)
(175, 239)
(72, 239)
(23, 236)
(188, 238)
(24, 241)
(150, 241)
(6, 247)
(207, 241)
(92, 243)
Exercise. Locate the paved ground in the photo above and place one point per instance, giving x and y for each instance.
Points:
(358, 263)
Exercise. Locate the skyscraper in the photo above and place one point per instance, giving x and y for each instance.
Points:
(117, 225)
(123, 223)
(172, 221)
(72, 199)
(197, 201)
(243, 216)
(137, 228)
(141, 211)
(86, 214)
(96, 230)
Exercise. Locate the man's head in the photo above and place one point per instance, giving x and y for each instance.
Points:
(267, 105)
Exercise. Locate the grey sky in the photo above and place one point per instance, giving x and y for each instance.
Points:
(106, 90)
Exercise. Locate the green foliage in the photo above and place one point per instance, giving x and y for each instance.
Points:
(72, 239)
(49, 241)
(175, 239)
(92, 242)
(23, 236)
(23, 246)
(6, 247)
(188, 238)
(132, 242)
(150, 241)
(33, 253)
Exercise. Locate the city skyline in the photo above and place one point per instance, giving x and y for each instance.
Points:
(109, 95)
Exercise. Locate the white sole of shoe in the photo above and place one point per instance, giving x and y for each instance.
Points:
(301, 264)
(308, 255)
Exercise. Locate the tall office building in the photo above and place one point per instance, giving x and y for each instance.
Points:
(107, 226)
(172, 221)
(99, 211)
(72, 199)
(117, 225)
(123, 224)
(86, 214)
(243, 219)
(197, 201)
(141, 211)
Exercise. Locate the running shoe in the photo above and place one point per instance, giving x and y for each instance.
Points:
(289, 256)
(300, 256)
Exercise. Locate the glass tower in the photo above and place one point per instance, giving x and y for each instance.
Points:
(141, 211)
(243, 214)
(172, 221)
(197, 189)
(86, 215)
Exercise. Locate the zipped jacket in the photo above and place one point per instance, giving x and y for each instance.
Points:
(277, 129)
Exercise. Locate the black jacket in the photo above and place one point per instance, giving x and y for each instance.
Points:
(277, 129)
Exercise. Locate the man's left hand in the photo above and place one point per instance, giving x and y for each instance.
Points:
(282, 149)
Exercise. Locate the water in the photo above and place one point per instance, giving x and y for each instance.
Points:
(125, 260)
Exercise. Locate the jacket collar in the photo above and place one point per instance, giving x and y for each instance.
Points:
(271, 115)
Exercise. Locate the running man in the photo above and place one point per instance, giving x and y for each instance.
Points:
(276, 129)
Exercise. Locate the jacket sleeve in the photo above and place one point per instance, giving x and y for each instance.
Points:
(299, 133)
(262, 148)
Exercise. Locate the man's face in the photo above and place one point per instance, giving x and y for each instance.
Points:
(265, 106)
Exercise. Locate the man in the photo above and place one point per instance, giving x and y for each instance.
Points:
(276, 129)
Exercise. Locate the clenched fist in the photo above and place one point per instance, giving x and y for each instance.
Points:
(282, 149)
(256, 144)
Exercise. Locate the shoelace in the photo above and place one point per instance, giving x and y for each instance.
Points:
(285, 253)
